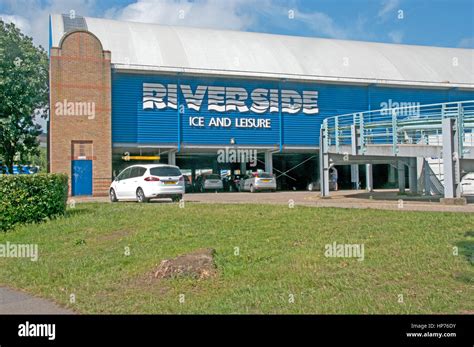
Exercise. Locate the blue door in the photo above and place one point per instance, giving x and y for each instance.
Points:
(81, 177)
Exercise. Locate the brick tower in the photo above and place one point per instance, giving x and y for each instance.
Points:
(80, 113)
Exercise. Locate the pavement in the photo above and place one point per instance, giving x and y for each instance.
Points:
(13, 301)
(383, 199)
(378, 199)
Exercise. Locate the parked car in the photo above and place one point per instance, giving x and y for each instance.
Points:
(144, 182)
(188, 186)
(209, 182)
(313, 186)
(467, 184)
(231, 183)
(258, 181)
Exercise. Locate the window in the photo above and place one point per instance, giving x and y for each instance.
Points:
(82, 150)
(165, 171)
(213, 177)
(124, 174)
(141, 171)
(137, 171)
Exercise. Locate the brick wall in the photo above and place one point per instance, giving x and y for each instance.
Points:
(80, 83)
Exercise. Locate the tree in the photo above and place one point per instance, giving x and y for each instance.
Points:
(23, 93)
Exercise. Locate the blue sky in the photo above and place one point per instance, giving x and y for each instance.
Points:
(448, 23)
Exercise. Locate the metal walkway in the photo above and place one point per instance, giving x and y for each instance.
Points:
(401, 136)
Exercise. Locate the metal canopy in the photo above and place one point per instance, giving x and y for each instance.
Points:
(150, 47)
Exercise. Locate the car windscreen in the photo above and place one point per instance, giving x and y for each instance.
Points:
(213, 177)
(165, 171)
(265, 175)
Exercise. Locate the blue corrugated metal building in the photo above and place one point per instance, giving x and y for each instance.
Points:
(184, 93)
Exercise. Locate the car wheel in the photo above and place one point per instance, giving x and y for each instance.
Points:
(141, 196)
(252, 189)
(112, 196)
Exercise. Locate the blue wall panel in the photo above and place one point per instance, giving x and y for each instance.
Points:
(133, 124)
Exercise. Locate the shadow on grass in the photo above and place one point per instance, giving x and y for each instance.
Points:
(466, 249)
(71, 212)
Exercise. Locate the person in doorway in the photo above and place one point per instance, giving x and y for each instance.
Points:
(333, 177)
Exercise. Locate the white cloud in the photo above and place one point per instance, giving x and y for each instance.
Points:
(35, 14)
(230, 14)
(31, 16)
(20, 22)
(388, 6)
(396, 36)
(199, 13)
(321, 23)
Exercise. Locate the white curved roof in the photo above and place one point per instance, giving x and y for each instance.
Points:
(142, 47)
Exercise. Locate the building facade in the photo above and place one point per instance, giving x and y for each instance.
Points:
(172, 94)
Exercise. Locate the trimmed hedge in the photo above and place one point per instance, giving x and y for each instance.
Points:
(31, 198)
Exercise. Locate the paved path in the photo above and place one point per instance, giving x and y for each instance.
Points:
(16, 302)
(386, 200)
(379, 199)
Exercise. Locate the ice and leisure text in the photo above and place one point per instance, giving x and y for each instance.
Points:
(259, 101)
(226, 122)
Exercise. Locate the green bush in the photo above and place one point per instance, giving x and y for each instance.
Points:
(31, 198)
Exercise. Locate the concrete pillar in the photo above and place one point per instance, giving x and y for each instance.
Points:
(323, 165)
(369, 177)
(215, 167)
(355, 179)
(172, 158)
(412, 176)
(355, 176)
(420, 175)
(448, 162)
(391, 174)
(269, 162)
(243, 168)
(401, 176)
(427, 177)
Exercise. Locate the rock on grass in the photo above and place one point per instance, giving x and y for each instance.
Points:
(198, 264)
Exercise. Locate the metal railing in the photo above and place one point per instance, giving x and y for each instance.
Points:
(407, 124)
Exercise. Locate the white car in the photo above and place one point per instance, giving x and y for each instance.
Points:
(258, 181)
(144, 182)
(467, 184)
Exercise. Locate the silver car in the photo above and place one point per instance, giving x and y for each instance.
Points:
(467, 184)
(209, 182)
(315, 186)
(258, 181)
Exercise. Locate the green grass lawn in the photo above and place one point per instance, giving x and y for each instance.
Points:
(281, 256)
